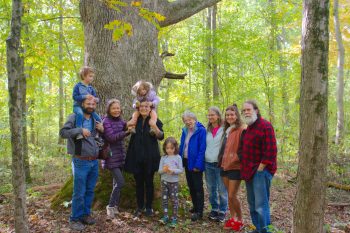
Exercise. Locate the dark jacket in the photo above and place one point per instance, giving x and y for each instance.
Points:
(196, 147)
(114, 134)
(143, 149)
(84, 147)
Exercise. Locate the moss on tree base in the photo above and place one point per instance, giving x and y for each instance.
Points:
(103, 190)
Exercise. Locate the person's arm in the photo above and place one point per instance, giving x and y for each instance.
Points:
(269, 148)
(154, 98)
(77, 96)
(69, 130)
(201, 150)
(182, 142)
(93, 93)
(158, 128)
(179, 169)
(161, 164)
(112, 136)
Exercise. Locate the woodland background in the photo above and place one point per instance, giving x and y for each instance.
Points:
(231, 52)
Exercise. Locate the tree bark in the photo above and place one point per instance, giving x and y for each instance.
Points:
(340, 77)
(120, 64)
(60, 86)
(309, 206)
(207, 57)
(15, 77)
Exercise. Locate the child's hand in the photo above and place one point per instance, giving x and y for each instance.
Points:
(166, 168)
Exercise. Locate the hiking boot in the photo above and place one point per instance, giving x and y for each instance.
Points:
(221, 217)
(164, 220)
(196, 216)
(213, 215)
(76, 225)
(88, 220)
(173, 223)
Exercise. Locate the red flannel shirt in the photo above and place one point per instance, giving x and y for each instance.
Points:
(258, 146)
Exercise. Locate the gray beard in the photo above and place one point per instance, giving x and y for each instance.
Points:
(251, 120)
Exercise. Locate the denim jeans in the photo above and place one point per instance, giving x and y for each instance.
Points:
(216, 188)
(80, 116)
(85, 174)
(258, 196)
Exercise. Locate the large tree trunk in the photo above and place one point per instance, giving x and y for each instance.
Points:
(118, 65)
(214, 55)
(15, 77)
(309, 206)
(340, 77)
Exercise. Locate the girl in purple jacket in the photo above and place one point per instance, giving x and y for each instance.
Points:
(114, 133)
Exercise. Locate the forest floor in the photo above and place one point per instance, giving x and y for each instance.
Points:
(43, 219)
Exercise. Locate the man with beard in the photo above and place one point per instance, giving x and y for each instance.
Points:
(258, 164)
(84, 164)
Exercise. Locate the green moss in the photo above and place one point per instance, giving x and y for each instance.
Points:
(65, 194)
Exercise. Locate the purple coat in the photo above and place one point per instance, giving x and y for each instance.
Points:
(114, 134)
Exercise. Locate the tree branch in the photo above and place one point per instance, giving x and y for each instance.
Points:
(170, 75)
(166, 54)
(181, 9)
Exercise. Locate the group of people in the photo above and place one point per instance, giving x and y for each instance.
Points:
(230, 149)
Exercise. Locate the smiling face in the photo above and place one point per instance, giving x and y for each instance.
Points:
(213, 118)
(115, 110)
(249, 113)
(144, 109)
(89, 105)
(89, 78)
(189, 122)
(230, 117)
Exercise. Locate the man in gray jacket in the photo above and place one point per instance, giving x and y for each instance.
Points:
(84, 164)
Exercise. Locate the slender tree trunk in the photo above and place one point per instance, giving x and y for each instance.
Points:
(309, 206)
(271, 73)
(60, 58)
(340, 77)
(15, 77)
(208, 56)
(24, 115)
(214, 56)
(31, 114)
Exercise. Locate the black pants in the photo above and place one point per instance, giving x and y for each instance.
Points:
(144, 180)
(195, 184)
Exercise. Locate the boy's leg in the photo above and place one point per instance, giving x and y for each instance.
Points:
(79, 116)
(96, 117)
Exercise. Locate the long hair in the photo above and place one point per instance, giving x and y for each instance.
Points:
(218, 113)
(238, 122)
(255, 106)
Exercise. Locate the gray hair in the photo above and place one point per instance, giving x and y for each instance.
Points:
(189, 114)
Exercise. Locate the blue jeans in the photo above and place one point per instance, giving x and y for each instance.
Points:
(85, 174)
(216, 188)
(80, 116)
(258, 196)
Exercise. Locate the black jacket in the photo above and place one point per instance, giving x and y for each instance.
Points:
(143, 149)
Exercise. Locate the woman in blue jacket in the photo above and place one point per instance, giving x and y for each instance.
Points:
(192, 151)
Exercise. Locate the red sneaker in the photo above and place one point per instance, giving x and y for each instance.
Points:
(237, 226)
(229, 224)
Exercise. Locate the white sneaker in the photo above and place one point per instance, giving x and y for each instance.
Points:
(110, 211)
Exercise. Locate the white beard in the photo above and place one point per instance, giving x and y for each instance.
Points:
(252, 119)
